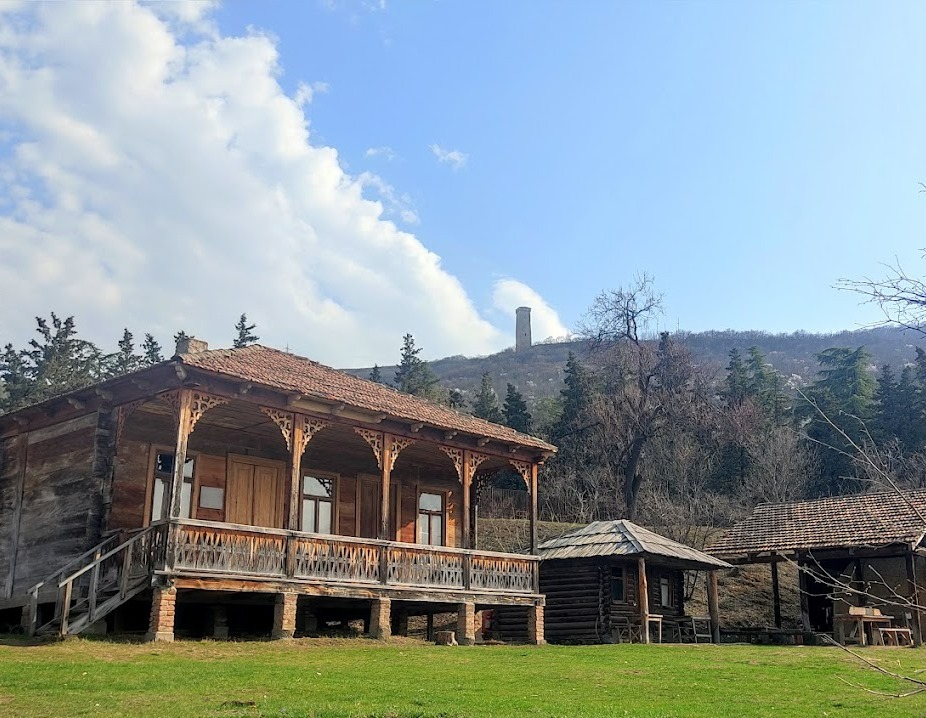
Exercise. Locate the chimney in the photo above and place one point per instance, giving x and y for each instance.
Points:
(522, 329)
(191, 345)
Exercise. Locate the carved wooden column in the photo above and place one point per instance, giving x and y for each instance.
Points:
(467, 482)
(713, 605)
(533, 490)
(643, 599)
(386, 466)
(297, 449)
(184, 413)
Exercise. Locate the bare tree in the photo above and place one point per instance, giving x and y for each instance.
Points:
(900, 296)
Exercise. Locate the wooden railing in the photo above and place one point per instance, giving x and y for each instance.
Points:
(232, 549)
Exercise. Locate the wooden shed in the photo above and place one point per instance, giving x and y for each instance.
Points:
(593, 579)
(862, 560)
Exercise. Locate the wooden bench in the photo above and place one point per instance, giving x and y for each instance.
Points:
(896, 636)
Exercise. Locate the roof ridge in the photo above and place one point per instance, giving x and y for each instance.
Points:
(628, 528)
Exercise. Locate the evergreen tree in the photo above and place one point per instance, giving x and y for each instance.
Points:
(455, 399)
(844, 394)
(485, 405)
(515, 411)
(376, 375)
(151, 351)
(18, 385)
(125, 360)
(414, 375)
(766, 387)
(737, 382)
(246, 335)
(574, 396)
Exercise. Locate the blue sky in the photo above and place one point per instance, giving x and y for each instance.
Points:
(746, 154)
(346, 171)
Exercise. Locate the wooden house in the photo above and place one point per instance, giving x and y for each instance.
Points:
(615, 581)
(853, 552)
(221, 488)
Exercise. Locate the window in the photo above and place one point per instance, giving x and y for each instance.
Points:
(618, 589)
(431, 519)
(317, 504)
(665, 591)
(163, 475)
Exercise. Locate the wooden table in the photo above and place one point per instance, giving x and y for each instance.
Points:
(860, 625)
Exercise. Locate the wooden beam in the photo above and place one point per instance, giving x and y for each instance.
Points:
(384, 487)
(466, 481)
(776, 595)
(713, 605)
(295, 479)
(184, 422)
(16, 518)
(802, 590)
(643, 599)
(534, 504)
(917, 627)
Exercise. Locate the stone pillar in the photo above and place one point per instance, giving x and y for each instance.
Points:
(220, 623)
(535, 625)
(284, 615)
(161, 625)
(466, 624)
(380, 611)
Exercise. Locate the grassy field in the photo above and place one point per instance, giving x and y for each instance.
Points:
(405, 678)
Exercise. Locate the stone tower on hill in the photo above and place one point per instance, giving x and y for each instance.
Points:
(522, 330)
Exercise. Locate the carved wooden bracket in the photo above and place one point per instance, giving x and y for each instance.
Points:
(398, 446)
(123, 412)
(200, 404)
(474, 461)
(456, 456)
(172, 399)
(284, 420)
(523, 468)
(310, 427)
(375, 440)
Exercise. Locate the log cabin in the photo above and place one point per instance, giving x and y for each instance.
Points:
(593, 579)
(862, 555)
(227, 488)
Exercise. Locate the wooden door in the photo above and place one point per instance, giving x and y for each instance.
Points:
(255, 492)
(370, 507)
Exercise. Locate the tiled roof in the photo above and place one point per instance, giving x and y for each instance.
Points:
(290, 373)
(623, 538)
(844, 521)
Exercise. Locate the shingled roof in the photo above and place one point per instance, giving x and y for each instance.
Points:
(624, 538)
(879, 519)
(295, 374)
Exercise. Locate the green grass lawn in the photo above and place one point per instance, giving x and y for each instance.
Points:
(405, 678)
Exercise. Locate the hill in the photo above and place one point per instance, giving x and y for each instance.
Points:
(538, 372)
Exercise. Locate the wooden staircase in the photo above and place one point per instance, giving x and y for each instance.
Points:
(98, 581)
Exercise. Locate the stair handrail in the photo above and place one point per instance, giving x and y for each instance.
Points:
(65, 586)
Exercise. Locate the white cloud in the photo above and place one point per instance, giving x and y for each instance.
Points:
(509, 294)
(396, 204)
(386, 152)
(157, 177)
(454, 158)
(305, 93)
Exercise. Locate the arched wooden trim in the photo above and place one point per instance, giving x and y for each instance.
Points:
(398, 446)
(310, 427)
(200, 403)
(456, 456)
(123, 412)
(375, 440)
(523, 468)
(284, 421)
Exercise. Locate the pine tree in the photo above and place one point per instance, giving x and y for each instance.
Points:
(18, 385)
(515, 411)
(485, 405)
(151, 351)
(125, 360)
(246, 335)
(736, 383)
(574, 396)
(766, 387)
(414, 375)
(376, 375)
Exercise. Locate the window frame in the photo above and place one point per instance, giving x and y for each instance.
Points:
(303, 496)
(619, 573)
(419, 512)
(154, 475)
(666, 589)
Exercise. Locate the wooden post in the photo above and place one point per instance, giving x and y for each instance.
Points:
(466, 480)
(65, 608)
(713, 605)
(386, 472)
(776, 595)
(94, 586)
(183, 434)
(917, 627)
(430, 626)
(295, 481)
(802, 589)
(643, 599)
(534, 541)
